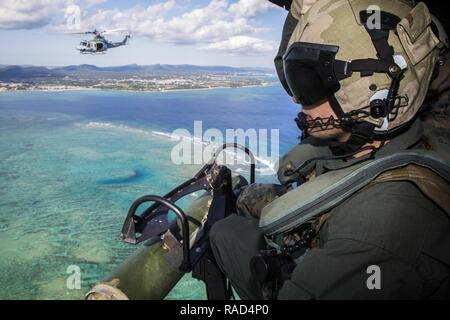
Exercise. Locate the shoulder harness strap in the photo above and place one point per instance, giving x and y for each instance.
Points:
(430, 184)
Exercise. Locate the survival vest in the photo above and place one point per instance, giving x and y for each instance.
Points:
(428, 170)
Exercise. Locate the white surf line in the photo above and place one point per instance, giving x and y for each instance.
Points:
(269, 164)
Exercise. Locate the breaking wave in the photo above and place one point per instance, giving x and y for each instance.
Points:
(265, 166)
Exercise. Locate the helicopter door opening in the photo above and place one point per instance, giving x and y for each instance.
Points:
(99, 46)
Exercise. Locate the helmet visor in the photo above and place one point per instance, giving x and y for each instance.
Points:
(309, 71)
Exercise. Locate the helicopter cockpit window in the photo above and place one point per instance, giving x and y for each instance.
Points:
(83, 43)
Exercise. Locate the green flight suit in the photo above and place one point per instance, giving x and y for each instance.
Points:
(391, 225)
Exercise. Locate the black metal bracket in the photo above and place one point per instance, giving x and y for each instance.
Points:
(240, 147)
(186, 264)
(154, 221)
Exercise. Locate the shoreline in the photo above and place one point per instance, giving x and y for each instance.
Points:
(269, 84)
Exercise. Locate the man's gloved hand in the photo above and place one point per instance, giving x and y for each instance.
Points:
(256, 196)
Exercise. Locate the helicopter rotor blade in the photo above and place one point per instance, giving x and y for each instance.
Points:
(115, 31)
(100, 32)
(83, 32)
(74, 32)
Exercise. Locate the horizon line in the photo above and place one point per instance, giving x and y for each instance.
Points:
(134, 64)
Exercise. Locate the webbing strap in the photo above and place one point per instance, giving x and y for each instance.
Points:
(380, 33)
(369, 66)
(430, 184)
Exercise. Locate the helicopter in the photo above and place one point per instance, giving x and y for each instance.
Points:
(99, 45)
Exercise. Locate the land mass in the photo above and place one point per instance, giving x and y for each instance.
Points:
(131, 77)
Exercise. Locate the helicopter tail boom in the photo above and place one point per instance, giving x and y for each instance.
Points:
(123, 42)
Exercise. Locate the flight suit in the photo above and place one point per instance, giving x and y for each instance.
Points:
(390, 230)
(390, 226)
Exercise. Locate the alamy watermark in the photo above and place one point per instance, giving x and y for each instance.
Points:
(373, 17)
(73, 282)
(72, 15)
(374, 280)
(198, 147)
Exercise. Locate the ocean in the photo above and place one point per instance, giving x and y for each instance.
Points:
(72, 162)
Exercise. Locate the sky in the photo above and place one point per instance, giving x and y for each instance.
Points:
(240, 33)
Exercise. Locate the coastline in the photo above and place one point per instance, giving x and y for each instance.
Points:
(58, 174)
(268, 84)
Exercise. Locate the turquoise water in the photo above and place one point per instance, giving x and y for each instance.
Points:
(73, 162)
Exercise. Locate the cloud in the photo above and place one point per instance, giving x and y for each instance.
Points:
(90, 3)
(145, 21)
(243, 45)
(28, 14)
(33, 14)
(250, 8)
(218, 25)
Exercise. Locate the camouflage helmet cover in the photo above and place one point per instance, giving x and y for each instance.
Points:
(337, 22)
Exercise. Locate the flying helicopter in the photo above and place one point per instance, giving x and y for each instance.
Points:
(99, 44)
